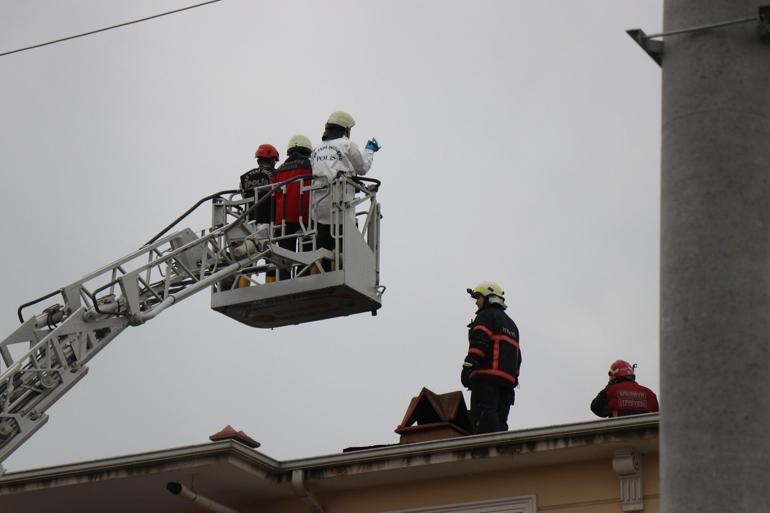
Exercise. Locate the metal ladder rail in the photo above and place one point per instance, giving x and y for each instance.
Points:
(46, 372)
(229, 211)
(137, 293)
(58, 360)
(63, 340)
(57, 355)
(365, 190)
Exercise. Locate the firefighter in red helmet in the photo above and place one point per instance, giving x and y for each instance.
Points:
(266, 156)
(623, 395)
(261, 214)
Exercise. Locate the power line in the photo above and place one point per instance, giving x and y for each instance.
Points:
(109, 28)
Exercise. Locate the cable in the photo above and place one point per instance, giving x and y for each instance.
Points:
(109, 28)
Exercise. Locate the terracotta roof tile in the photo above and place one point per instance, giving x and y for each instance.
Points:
(435, 412)
(229, 433)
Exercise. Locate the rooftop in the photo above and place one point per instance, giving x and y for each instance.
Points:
(228, 470)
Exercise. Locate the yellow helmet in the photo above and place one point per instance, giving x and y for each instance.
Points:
(342, 119)
(299, 141)
(486, 288)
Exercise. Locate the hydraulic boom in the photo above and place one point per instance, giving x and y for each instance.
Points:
(49, 352)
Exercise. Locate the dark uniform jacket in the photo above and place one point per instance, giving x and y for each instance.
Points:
(493, 352)
(258, 177)
(624, 396)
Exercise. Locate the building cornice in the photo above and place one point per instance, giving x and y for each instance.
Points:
(554, 437)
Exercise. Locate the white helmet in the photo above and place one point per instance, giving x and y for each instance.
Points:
(341, 118)
(299, 141)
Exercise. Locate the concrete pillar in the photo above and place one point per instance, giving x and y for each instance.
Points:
(715, 262)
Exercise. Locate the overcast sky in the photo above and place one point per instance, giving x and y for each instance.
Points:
(520, 144)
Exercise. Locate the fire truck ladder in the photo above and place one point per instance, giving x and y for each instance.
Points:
(48, 354)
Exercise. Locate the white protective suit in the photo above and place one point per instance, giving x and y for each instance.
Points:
(331, 158)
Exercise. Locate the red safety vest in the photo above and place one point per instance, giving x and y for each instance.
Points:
(630, 398)
(287, 207)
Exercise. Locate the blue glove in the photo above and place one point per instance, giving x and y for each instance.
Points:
(373, 145)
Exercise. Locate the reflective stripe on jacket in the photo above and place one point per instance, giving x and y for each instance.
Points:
(494, 346)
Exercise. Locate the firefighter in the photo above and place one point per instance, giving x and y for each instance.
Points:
(623, 395)
(292, 204)
(262, 214)
(266, 156)
(336, 155)
(491, 368)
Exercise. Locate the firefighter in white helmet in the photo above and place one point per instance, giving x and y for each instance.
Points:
(491, 368)
(336, 155)
(292, 202)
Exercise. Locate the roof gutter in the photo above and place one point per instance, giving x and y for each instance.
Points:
(211, 505)
(298, 483)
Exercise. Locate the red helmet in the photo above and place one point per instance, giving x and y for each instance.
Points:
(621, 368)
(266, 151)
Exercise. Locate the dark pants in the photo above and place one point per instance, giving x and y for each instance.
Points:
(325, 240)
(490, 404)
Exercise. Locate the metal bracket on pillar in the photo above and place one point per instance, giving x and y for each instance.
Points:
(654, 48)
(628, 466)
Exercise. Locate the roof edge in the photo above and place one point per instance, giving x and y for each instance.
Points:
(270, 465)
(162, 457)
(630, 423)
